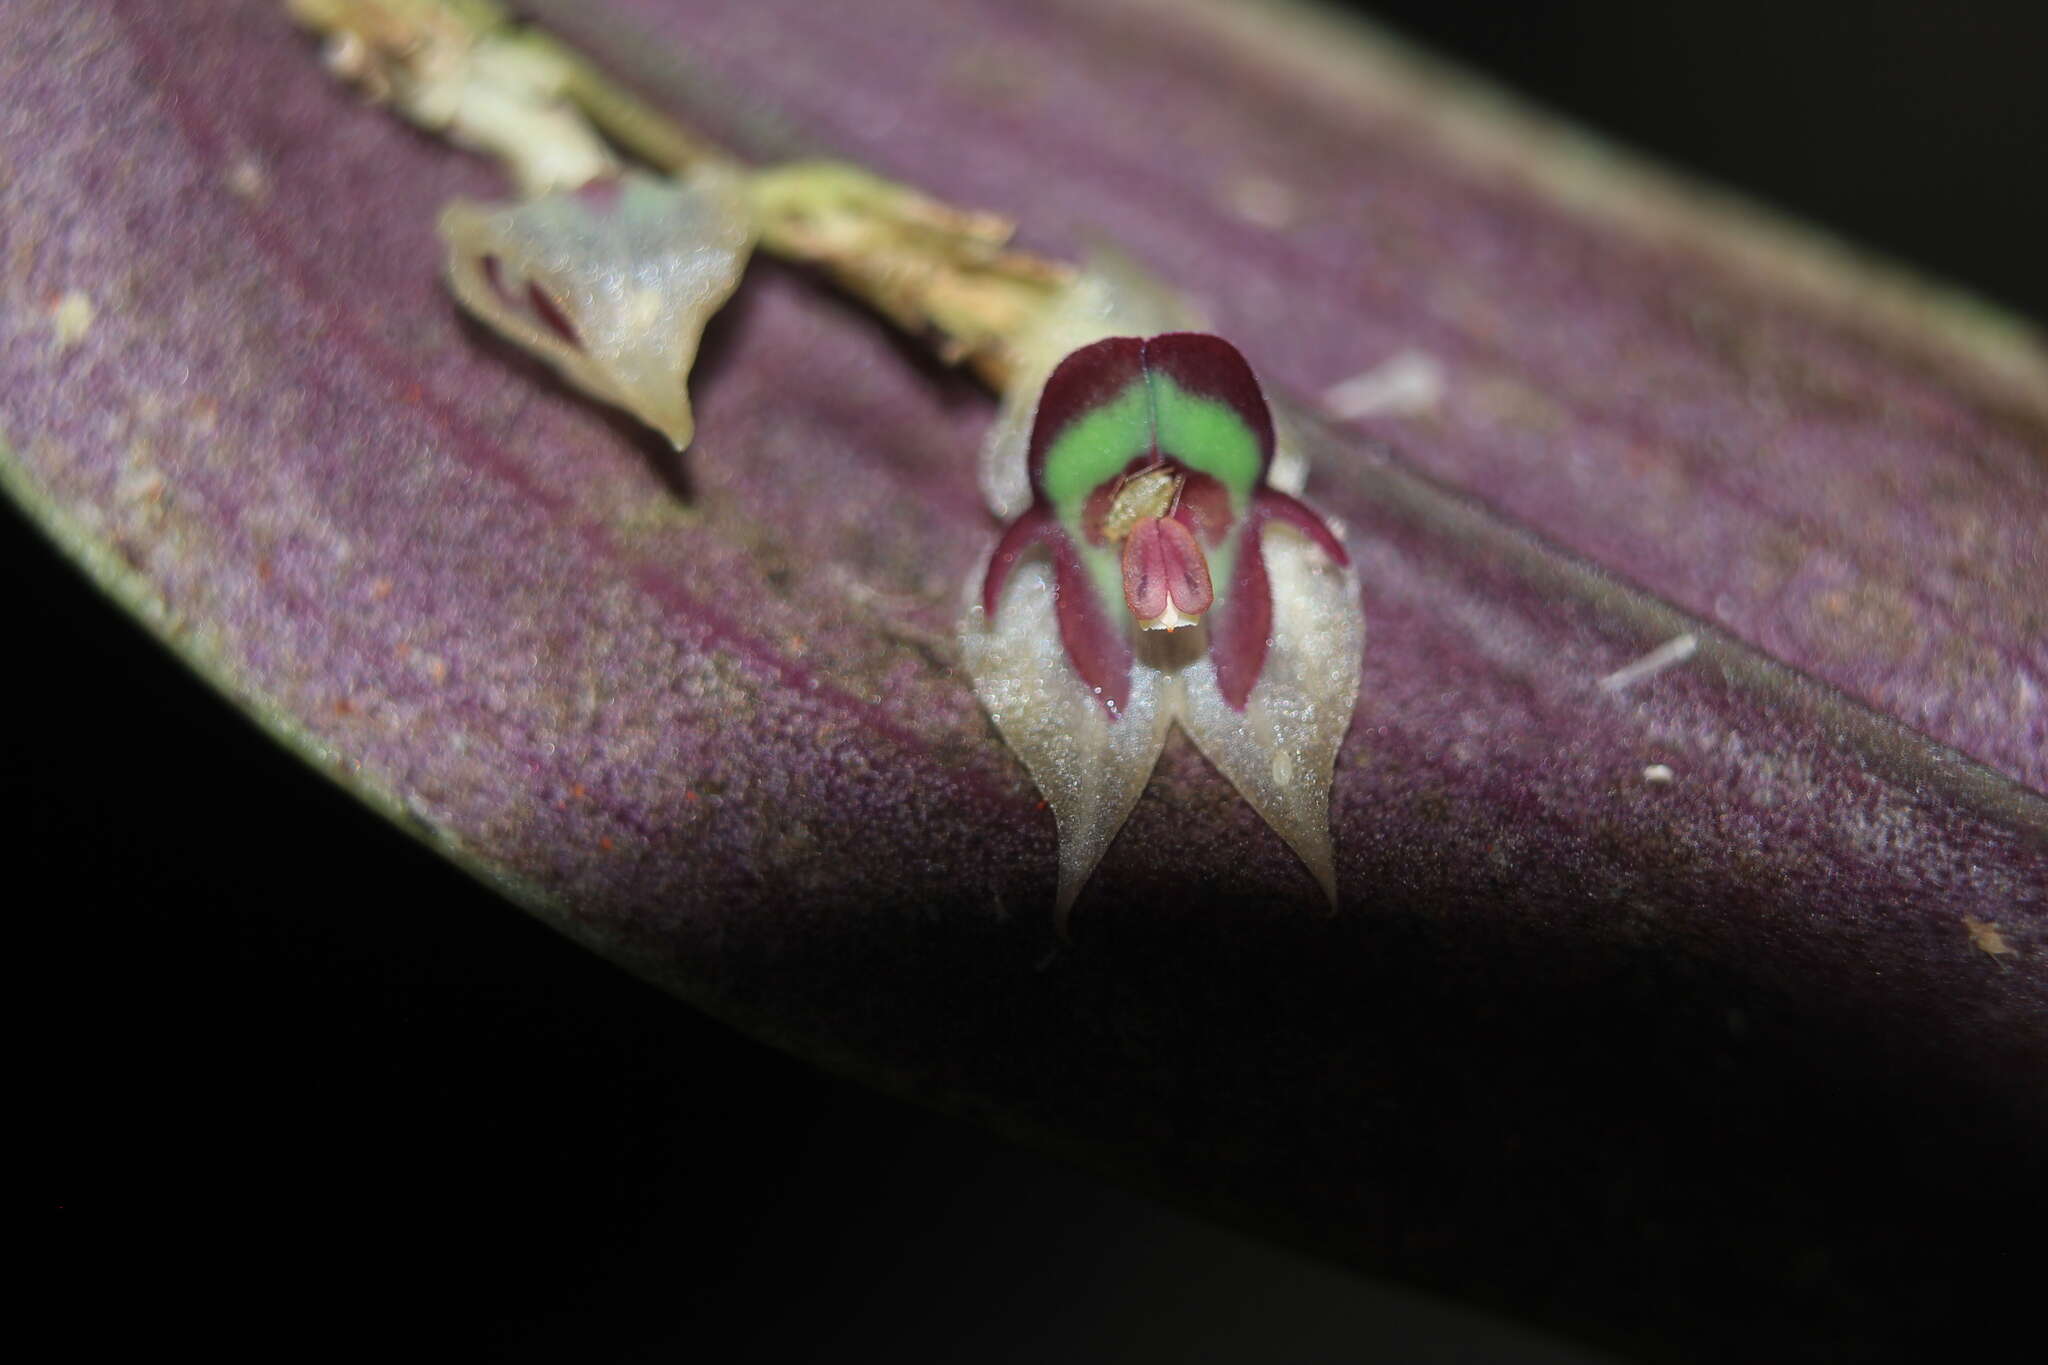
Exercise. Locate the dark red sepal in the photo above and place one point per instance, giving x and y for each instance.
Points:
(1094, 375)
(1211, 367)
(1205, 507)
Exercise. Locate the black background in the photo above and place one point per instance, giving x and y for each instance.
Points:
(1917, 130)
(298, 1071)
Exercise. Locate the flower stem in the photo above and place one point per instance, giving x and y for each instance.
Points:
(466, 70)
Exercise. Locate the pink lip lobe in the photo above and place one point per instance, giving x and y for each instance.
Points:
(1162, 564)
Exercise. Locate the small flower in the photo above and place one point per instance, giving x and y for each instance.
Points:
(611, 283)
(1148, 463)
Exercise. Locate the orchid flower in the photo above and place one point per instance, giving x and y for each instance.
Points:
(611, 283)
(1158, 576)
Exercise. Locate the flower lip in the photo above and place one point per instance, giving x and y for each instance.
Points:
(1166, 575)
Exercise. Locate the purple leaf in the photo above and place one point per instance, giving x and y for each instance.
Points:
(1706, 1012)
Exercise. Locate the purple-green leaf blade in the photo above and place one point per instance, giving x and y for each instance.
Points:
(1726, 1065)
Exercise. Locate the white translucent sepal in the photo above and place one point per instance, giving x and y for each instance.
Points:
(634, 267)
(1280, 752)
(1090, 769)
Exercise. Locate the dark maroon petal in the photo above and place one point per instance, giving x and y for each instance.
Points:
(1021, 536)
(1091, 376)
(536, 300)
(550, 313)
(494, 275)
(1241, 629)
(1097, 643)
(1274, 505)
(1205, 507)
